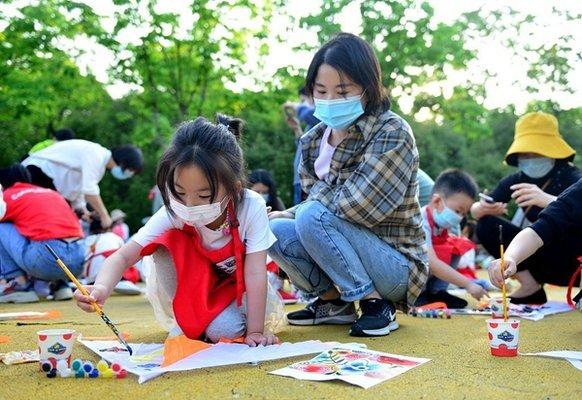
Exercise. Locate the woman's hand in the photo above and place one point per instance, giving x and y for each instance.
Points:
(256, 339)
(482, 209)
(97, 293)
(526, 195)
(280, 214)
(510, 268)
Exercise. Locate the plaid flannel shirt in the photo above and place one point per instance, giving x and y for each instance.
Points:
(372, 183)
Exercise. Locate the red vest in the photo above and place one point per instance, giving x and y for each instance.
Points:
(202, 291)
(446, 246)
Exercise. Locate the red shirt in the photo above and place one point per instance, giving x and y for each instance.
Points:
(39, 213)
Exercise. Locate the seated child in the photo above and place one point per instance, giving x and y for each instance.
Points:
(209, 242)
(563, 217)
(118, 225)
(27, 224)
(100, 244)
(452, 198)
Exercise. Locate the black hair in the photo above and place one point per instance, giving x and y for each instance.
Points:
(353, 58)
(13, 174)
(95, 227)
(64, 134)
(213, 148)
(265, 177)
(453, 181)
(128, 157)
(302, 91)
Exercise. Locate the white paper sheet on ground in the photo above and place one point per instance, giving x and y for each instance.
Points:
(532, 313)
(357, 366)
(22, 314)
(574, 357)
(147, 358)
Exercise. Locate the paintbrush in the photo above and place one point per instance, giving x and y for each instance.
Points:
(502, 257)
(98, 309)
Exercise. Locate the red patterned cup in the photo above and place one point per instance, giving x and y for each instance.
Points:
(55, 345)
(503, 337)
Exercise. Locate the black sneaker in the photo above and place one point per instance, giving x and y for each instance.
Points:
(320, 311)
(378, 318)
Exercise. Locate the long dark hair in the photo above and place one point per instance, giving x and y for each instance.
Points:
(265, 177)
(353, 58)
(213, 148)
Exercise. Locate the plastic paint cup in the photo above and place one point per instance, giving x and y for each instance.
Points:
(503, 337)
(55, 345)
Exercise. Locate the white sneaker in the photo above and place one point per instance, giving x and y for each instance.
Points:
(63, 293)
(127, 287)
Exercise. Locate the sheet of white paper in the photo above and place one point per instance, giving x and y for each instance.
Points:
(574, 357)
(567, 354)
(532, 313)
(147, 358)
(576, 363)
(357, 366)
(21, 314)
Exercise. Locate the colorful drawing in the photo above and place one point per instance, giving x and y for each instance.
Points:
(114, 349)
(357, 366)
(149, 366)
(147, 363)
(532, 313)
(152, 356)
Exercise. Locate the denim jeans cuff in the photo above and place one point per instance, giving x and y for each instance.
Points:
(318, 292)
(358, 293)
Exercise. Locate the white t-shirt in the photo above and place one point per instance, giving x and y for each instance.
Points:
(75, 166)
(254, 228)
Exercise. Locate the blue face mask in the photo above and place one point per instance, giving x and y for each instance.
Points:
(121, 174)
(535, 167)
(266, 197)
(447, 218)
(339, 113)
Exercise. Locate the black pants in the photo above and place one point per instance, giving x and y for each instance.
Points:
(554, 263)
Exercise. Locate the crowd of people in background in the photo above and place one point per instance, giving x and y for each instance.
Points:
(366, 224)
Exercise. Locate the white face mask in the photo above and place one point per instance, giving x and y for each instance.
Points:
(198, 215)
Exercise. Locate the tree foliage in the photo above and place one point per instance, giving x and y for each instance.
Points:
(186, 65)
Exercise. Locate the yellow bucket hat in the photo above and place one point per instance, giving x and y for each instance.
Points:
(537, 132)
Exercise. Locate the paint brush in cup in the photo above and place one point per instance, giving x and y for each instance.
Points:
(502, 257)
(98, 309)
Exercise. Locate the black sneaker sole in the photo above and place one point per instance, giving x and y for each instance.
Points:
(375, 332)
(335, 320)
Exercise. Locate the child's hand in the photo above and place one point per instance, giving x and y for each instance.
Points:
(265, 339)
(98, 294)
(280, 214)
(477, 291)
(495, 271)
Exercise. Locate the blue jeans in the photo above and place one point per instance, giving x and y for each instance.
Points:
(319, 251)
(20, 256)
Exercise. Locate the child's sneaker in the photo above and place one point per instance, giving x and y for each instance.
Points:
(61, 291)
(14, 292)
(320, 311)
(378, 318)
(288, 297)
(127, 287)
